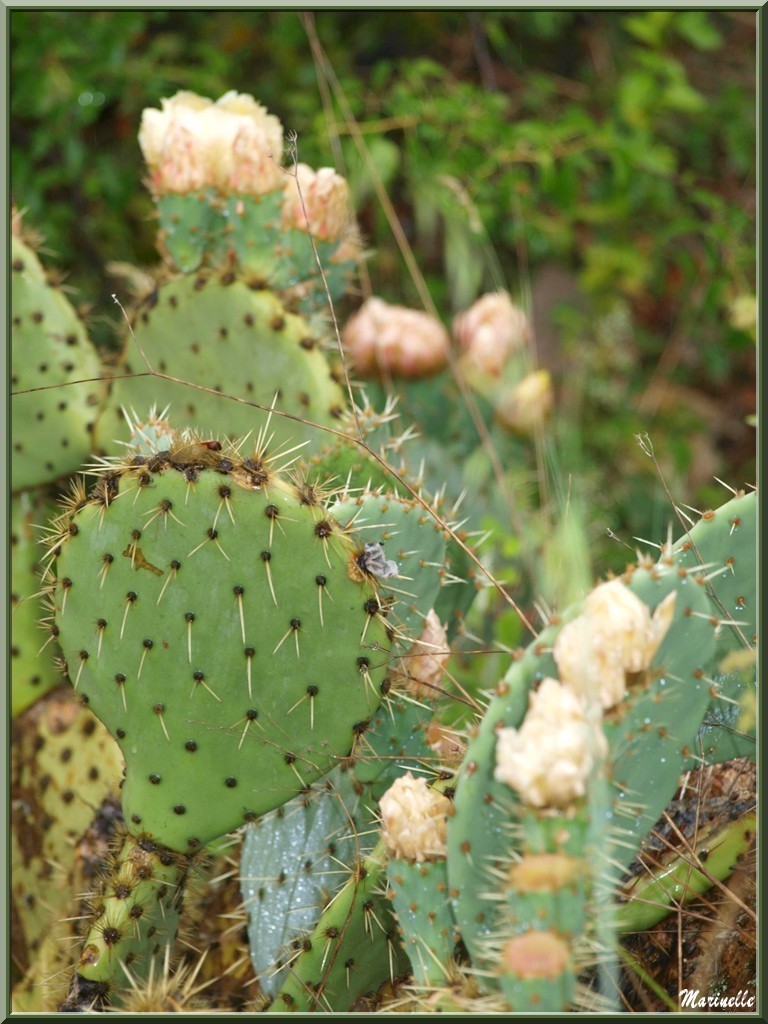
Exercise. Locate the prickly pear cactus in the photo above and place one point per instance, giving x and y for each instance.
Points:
(290, 869)
(722, 541)
(53, 417)
(414, 816)
(45, 984)
(649, 732)
(217, 619)
(271, 656)
(218, 332)
(352, 951)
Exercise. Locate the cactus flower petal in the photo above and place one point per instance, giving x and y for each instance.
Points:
(549, 759)
(414, 819)
(614, 635)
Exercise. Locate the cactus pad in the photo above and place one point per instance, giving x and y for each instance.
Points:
(51, 428)
(218, 622)
(33, 671)
(290, 868)
(218, 333)
(352, 951)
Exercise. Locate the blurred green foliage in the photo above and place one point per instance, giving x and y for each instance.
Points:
(619, 147)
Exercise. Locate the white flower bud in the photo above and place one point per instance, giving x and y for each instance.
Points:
(326, 200)
(420, 670)
(414, 819)
(524, 407)
(489, 331)
(233, 145)
(245, 146)
(614, 635)
(549, 759)
(171, 140)
(385, 340)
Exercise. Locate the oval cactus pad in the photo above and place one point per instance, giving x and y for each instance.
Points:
(216, 619)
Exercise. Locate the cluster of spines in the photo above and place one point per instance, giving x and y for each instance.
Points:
(136, 913)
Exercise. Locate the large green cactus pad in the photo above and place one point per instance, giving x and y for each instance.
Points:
(51, 428)
(218, 333)
(218, 622)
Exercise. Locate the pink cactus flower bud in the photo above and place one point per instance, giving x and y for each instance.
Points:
(489, 331)
(392, 341)
(326, 201)
(420, 670)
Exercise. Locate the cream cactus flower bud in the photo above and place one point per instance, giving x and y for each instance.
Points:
(614, 635)
(326, 201)
(489, 331)
(414, 819)
(233, 145)
(184, 108)
(171, 140)
(420, 670)
(245, 147)
(549, 759)
(385, 340)
(524, 407)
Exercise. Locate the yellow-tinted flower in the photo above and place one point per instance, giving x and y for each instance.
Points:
(233, 145)
(524, 407)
